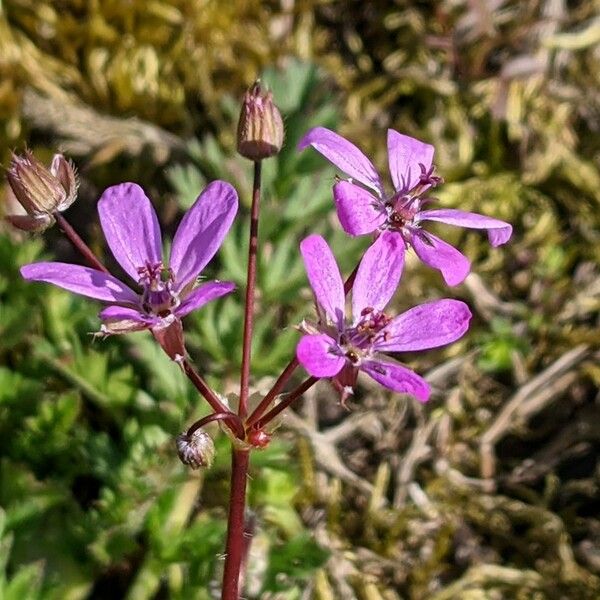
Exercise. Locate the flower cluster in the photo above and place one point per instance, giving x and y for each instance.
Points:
(334, 346)
(337, 348)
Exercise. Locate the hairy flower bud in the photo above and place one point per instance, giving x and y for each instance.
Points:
(39, 190)
(196, 450)
(260, 128)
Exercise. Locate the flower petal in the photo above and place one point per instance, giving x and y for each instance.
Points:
(344, 155)
(378, 274)
(81, 280)
(202, 231)
(499, 232)
(425, 326)
(324, 277)
(397, 378)
(203, 294)
(405, 155)
(314, 354)
(130, 227)
(123, 312)
(436, 253)
(358, 210)
(118, 319)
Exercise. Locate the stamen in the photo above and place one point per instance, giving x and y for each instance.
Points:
(366, 332)
(158, 297)
(352, 356)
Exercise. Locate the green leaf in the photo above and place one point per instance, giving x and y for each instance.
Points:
(188, 182)
(25, 584)
(294, 561)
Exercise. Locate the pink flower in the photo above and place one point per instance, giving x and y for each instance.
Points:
(167, 291)
(366, 208)
(337, 348)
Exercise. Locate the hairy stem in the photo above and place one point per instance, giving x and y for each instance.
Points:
(79, 244)
(237, 546)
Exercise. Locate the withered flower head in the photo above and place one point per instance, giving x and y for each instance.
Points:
(260, 128)
(39, 190)
(196, 450)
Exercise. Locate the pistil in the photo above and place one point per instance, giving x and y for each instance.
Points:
(158, 297)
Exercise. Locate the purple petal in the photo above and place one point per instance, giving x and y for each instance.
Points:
(324, 277)
(358, 210)
(405, 155)
(81, 280)
(397, 378)
(314, 354)
(499, 232)
(203, 294)
(344, 155)
(378, 274)
(202, 231)
(425, 326)
(123, 312)
(436, 253)
(118, 319)
(130, 227)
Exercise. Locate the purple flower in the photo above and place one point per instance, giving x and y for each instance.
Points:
(362, 211)
(132, 232)
(338, 349)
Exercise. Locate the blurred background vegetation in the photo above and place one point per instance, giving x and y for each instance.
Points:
(489, 491)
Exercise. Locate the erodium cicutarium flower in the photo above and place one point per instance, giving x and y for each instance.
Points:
(336, 348)
(167, 291)
(369, 209)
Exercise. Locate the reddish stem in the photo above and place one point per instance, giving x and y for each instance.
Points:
(276, 389)
(293, 395)
(203, 388)
(79, 244)
(236, 544)
(231, 419)
(288, 371)
(350, 281)
(250, 291)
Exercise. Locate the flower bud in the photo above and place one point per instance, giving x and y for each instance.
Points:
(260, 128)
(39, 190)
(196, 450)
(258, 438)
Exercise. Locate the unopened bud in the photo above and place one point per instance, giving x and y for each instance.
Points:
(260, 128)
(258, 438)
(196, 450)
(39, 190)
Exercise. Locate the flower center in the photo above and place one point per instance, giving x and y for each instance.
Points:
(404, 205)
(158, 296)
(357, 341)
